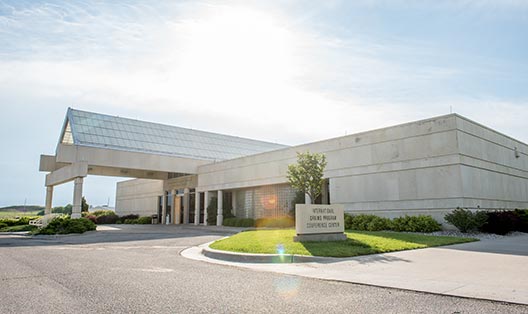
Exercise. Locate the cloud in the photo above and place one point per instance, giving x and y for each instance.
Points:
(256, 70)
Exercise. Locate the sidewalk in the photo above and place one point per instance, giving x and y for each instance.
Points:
(490, 269)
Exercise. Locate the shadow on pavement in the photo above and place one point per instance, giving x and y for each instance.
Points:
(511, 245)
(117, 233)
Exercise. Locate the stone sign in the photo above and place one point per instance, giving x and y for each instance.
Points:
(319, 222)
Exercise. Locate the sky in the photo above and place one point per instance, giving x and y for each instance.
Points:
(287, 71)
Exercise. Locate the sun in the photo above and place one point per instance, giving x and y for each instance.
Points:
(235, 52)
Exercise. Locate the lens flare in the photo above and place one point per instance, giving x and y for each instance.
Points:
(280, 249)
(287, 287)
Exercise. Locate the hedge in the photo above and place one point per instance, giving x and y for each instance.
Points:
(498, 222)
(65, 225)
(407, 223)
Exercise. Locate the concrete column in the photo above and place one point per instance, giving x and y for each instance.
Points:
(324, 193)
(197, 208)
(175, 208)
(220, 212)
(233, 202)
(77, 197)
(186, 205)
(206, 204)
(307, 199)
(49, 199)
(164, 208)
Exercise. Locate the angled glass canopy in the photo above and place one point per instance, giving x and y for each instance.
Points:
(104, 131)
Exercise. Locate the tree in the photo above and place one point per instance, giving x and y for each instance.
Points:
(84, 205)
(307, 175)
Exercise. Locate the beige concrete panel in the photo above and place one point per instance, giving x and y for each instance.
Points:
(395, 166)
(479, 130)
(127, 173)
(127, 160)
(437, 182)
(344, 155)
(138, 196)
(434, 125)
(477, 147)
(485, 184)
(67, 173)
(405, 205)
(478, 163)
(190, 181)
(48, 163)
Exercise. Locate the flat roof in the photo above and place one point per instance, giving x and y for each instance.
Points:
(104, 131)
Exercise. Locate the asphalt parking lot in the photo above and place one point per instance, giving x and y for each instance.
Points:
(139, 269)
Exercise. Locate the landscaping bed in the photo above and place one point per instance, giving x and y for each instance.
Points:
(357, 243)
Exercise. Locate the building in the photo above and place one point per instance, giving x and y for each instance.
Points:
(424, 167)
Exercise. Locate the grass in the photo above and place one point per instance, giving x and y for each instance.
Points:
(13, 214)
(358, 243)
(18, 228)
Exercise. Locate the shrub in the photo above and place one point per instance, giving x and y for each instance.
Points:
(523, 216)
(130, 221)
(88, 224)
(239, 222)
(92, 218)
(3, 225)
(106, 219)
(18, 221)
(502, 222)
(102, 212)
(277, 222)
(466, 220)
(65, 225)
(420, 223)
(364, 222)
(144, 220)
(407, 223)
(348, 221)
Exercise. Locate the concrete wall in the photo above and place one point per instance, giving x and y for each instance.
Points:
(138, 196)
(413, 166)
(425, 167)
(494, 167)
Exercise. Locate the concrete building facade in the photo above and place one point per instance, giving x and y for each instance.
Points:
(425, 167)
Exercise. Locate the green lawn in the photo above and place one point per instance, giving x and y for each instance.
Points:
(358, 243)
(13, 214)
(18, 228)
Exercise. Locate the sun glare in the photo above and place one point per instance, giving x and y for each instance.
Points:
(234, 53)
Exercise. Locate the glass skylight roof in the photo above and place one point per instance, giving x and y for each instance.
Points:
(104, 131)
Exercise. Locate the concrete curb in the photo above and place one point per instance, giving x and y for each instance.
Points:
(262, 258)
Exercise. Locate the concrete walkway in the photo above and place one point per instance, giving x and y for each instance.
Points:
(490, 269)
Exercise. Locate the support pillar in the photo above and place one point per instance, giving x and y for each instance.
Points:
(197, 208)
(307, 199)
(49, 199)
(164, 208)
(186, 205)
(206, 204)
(324, 193)
(175, 208)
(77, 197)
(220, 212)
(233, 202)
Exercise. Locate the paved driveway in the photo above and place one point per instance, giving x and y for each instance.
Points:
(139, 269)
(489, 269)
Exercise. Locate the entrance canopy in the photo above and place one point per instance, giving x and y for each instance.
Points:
(98, 144)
